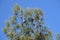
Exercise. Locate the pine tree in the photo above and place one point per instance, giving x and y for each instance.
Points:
(27, 25)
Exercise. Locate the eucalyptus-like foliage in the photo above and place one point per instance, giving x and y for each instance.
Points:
(27, 25)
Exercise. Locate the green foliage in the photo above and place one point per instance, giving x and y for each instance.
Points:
(29, 27)
(58, 36)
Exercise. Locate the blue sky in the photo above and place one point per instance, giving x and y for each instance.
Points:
(51, 9)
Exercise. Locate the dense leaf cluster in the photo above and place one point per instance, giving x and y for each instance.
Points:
(27, 25)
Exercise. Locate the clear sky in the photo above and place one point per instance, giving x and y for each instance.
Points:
(51, 9)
